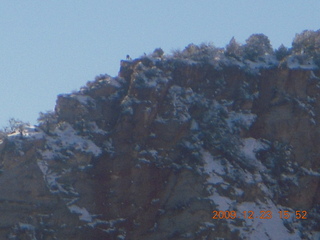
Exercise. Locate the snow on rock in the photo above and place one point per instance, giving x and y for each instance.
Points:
(215, 170)
(68, 138)
(223, 203)
(51, 177)
(95, 129)
(25, 226)
(83, 213)
(194, 125)
(111, 223)
(256, 228)
(260, 227)
(294, 63)
(179, 103)
(245, 120)
(83, 99)
(251, 146)
(212, 165)
(112, 81)
(28, 131)
(310, 172)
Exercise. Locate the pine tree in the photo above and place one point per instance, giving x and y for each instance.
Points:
(234, 49)
(158, 52)
(307, 42)
(257, 45)
(282, 52)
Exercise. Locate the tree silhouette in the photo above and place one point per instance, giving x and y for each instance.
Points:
(257, 45)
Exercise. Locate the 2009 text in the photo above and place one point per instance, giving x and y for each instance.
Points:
(261, 215)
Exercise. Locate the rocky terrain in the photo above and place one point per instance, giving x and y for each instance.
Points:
(152, 153)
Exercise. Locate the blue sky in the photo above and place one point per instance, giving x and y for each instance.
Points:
(51, 47)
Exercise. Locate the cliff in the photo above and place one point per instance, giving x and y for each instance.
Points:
(151, 153)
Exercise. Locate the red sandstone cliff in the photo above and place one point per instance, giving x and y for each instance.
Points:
(151, 153)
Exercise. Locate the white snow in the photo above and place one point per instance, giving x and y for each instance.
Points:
(312, 75)
(244, 119)
(147, 82)
(293, 63)
(159, 119)
(121, 237)
(194, 125)
(266, 61)
(29, 131)
(256, 228)
(224, 203)
(264, 228)
(111, 223)
(69, 139)
(113, 82)
(50, 177)
(83, 213)
(214, 169)
(94, 128)
(154, 153)
(108, 146)
(251, 146)
(83, 99)
(212, 165)
(310, 172)
(143, 160)
(180, 108)
(47, 154)
(43, 166)
(25, 226)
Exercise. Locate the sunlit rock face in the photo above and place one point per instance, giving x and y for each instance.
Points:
(151, 153)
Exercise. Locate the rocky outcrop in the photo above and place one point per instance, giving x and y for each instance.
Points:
(151, 153)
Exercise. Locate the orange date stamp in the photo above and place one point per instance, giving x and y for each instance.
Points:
(259, 215)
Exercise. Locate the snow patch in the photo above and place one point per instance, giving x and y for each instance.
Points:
(259, 228)
(25, 226)
(212, 165)
(83, 213)
(68, 138)
(83, 99)
(194, 125)
(224, 203)
(113, 82)
(310, 172)
(243, 119)
(307, 64)
(251, 146)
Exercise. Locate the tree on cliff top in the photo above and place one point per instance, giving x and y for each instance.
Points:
(308, 43)
(47, 121)
(282, 52)
(17, 125)
(234, 49)
(257, 45)
(158, 52)
(203, 52)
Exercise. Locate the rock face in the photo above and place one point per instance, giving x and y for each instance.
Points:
(151, 154)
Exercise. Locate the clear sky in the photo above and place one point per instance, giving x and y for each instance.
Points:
(48, 47)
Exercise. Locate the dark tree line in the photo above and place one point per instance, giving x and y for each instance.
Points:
(305, 46)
